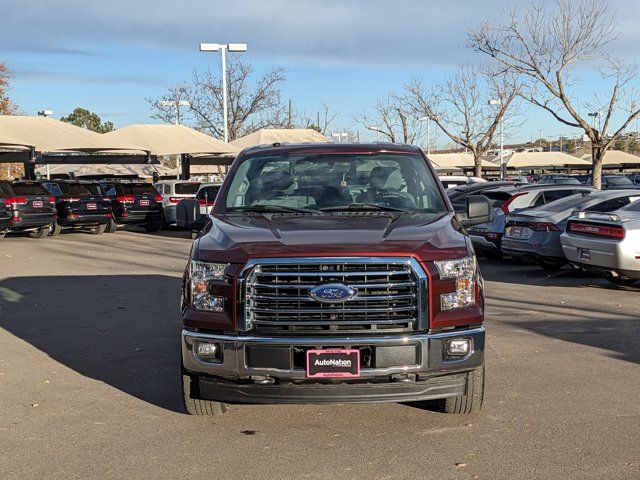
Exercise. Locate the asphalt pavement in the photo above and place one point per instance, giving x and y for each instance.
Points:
(89, 381)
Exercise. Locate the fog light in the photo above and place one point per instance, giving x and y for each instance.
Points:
(458, 347)
(208, 350)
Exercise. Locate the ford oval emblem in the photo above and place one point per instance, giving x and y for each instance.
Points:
(332, 293)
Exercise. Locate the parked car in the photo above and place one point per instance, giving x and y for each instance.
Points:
(31, 209)
(458, 195)
(134, 203)
(192, 212)
(535, 233)
(614, 182)
(634, 177)
(173, 191)
(450, 181)
(78, 207)
(558, 180)
(5, 214)
(608, 243)
(290, 297)
(487, 238)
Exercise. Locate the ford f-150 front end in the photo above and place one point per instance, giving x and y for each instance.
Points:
(333, 273)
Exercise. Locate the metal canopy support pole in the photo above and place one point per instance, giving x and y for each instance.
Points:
(185, 167)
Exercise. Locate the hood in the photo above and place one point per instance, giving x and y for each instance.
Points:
(237, 239)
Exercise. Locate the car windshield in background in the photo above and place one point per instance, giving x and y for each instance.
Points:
(619, 181)
(187, 188)
(335, 181)
(138, 189)
(28, 189)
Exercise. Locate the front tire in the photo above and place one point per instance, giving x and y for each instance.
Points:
(194, 405)
(471, 402)
(40, 233)
(98, 229)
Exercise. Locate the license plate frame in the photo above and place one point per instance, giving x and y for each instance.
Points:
(37, 204)
(92, 206)
(144, 203)
(332, 369)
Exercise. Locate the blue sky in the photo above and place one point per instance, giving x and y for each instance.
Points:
(110, 56)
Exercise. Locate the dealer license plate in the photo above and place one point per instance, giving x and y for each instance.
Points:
(92, 206)
(515, 231)
(333, 363)
(584, 254)
(144, 203)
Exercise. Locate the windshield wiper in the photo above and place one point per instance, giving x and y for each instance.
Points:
(362, 207)
(271, 209)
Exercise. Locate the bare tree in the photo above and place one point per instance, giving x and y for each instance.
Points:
(461, 108)
(544, 43)
(324, 118)
(252, 105)
(8, 171)
(392, 119)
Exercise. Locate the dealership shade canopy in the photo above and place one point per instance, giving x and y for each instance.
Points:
(531, 160)
(163, 140)
(457, 161)
(616, 157)
(107, 170)
(267, 136)
(23, 137)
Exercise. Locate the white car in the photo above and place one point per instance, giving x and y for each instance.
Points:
(451, 181)
(172, 192)
(606, 242)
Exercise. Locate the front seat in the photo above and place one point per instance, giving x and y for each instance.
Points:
(377, 181)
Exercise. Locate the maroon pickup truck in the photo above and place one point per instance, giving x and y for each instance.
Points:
(334, 273)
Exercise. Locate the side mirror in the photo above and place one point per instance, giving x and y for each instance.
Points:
(478, 211)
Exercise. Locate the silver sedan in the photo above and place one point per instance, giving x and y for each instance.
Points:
(534, 234)
(606, 242)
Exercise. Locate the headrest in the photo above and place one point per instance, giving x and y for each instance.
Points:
(276, 181)
(378, 177)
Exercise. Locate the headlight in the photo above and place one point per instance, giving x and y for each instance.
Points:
(201, 274)
(463, 270)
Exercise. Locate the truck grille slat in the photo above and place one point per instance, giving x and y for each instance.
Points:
(277, 294)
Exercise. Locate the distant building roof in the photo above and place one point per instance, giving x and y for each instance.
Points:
(544, 160)
(449, 161)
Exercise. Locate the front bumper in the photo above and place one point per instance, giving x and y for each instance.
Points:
(429, 374)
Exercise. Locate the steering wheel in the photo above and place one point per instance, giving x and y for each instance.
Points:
(396, 199)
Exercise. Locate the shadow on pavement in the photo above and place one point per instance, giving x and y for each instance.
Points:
(119, 329)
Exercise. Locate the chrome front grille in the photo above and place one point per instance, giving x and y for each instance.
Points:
(388, 294)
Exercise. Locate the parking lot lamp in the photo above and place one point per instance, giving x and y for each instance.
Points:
(41, 113)
(175, 104)
(222, 48)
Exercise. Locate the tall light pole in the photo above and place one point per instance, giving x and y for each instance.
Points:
(222, 48)
(428, 118)
(497, 102)
(42, 113)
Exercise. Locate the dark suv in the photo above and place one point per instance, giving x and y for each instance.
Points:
(79, 205)
(29, 206)
(134, 203)
(334, 273)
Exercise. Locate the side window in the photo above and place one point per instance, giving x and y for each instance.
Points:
(166, 189)
(540, 200)
(53, 189)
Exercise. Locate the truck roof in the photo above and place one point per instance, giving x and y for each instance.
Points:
(331, 148)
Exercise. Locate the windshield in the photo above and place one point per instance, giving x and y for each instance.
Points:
(321, 181)
(619, 181)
